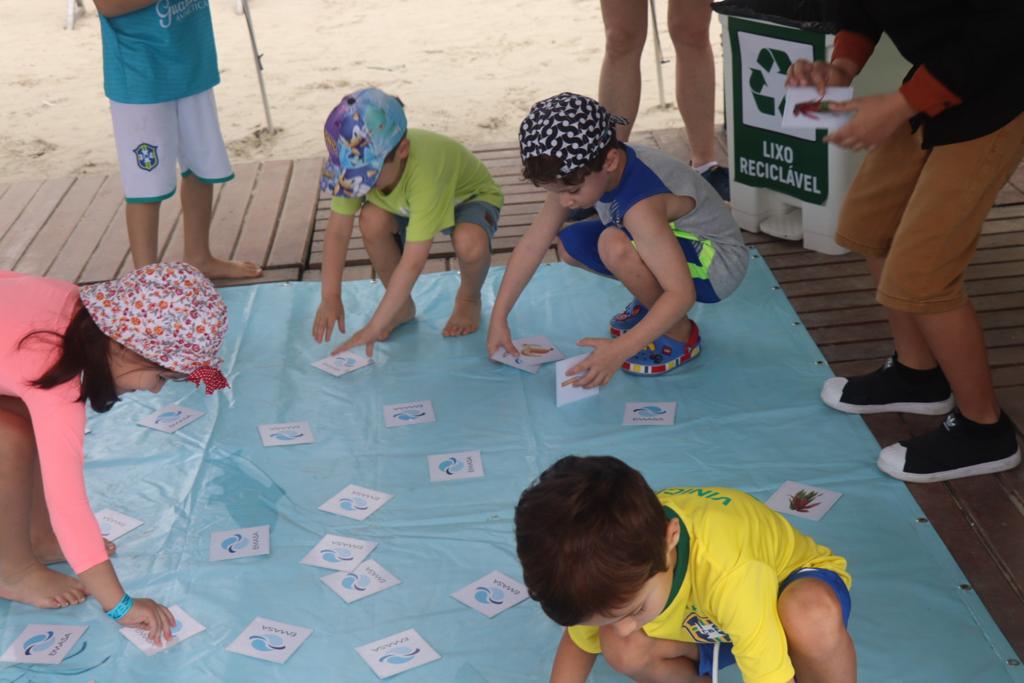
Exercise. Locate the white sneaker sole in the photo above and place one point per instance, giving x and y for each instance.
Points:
(832, 392)
(892, 459)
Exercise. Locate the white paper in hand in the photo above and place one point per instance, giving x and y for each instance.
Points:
(342, 364)
(286, 434)
(397, 653)
(247, 542)
(805, 108)
(803, 500)
(269, 640)
(184, 628)
(339, 553)
(492, 594)
(363, 581)
(171, 418)
(44, 644)
(412, 413)
(448, 466)
(356, 502)
(114, 524)
(566, 393)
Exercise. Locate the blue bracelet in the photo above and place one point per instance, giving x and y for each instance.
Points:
(121, 608)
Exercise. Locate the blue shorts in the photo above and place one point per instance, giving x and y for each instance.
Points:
(479, 213)
(580, 241)
(725, 656)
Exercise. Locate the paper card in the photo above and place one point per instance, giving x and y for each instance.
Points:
(363, 581)
(537, 350)
(566, 393)
(247, 542)
(184, 628)
(171, 418)
(448, 466)
(649, 413)
(114, 524)
(518, 362)
(803, 500)
(492, 594)
(802, 108)
(397, 653)
(269, 640)
(413, 413)
(44, 643)
(343, 363)
(286, 434)
(339, 553)
(356, 502)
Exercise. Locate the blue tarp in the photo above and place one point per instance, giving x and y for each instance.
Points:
(748, 417)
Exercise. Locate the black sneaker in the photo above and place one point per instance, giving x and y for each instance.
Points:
(893, 388)
(718, 176)
(958, 448)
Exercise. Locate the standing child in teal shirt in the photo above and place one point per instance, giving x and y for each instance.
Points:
(407, 185)
(159, 69)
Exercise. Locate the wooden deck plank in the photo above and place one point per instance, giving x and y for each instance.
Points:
(31, 220)
(264, 210)
(290, 274)
(15, 200)
(169, 223)
(52, 236)
(295, 227)
(83, 241)
(226, 224)
(111, 252)
(174, 222)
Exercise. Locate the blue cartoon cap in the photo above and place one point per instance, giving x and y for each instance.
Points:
(360, 132)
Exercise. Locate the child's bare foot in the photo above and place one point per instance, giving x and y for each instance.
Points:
(41, 587)
(215, 268)
(465, 318)
(404, 315)
(48, 551)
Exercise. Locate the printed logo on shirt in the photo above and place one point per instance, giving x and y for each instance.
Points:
(146, 156)
(169, 11)
(704, 630)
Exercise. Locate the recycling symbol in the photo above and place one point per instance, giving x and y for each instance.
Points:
(769, 60)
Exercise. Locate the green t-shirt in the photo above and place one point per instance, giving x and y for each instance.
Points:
(439, 175)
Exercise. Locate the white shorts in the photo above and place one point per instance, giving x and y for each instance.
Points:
(152, 139)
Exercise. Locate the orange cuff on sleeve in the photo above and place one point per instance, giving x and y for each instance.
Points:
(927, 94)
(853, 46)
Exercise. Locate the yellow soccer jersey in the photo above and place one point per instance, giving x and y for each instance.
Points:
(739, 551)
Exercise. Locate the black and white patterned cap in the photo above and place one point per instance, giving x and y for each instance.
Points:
(570, 127)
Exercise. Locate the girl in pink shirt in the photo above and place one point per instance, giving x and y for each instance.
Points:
(61, 346)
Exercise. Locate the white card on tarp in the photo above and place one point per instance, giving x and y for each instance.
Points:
(44, 643)
(114, 524)
(448, 466)
(492, 594)
(356, 502)
(286, 434)
(397, 653)
(566, 394)
(411, 413)
(537, 350)
(517, 362)
(270, 640)
(235, 543)
(184, 628)
(831, 121)
(342, 364)
(171, 418)
(339, 553)
(803, 500)
(363, 581)
(650, 413)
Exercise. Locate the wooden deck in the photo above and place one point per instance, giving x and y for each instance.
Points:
(272, 213)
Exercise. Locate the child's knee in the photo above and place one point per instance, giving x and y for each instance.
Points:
(374, 221)
(628, 660)
(470, 243)
(811, 614)
(615, 248)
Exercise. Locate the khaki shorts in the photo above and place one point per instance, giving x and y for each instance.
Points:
(924, 209)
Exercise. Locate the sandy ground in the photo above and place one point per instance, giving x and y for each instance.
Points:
(467, 68)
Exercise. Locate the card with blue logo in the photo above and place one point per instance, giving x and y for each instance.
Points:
(448, 466)
(412, 413)
(363, 581)
(270, 640)
(397, 653)
(171, 418)
(492, 594)
(247, 542)
(114, 524)
(356, 502)
(519, 362)
(565, 392)
(185, 627)
(650, 413)
(286, 434)
(339, 553)
(342, 364)
(44, 644)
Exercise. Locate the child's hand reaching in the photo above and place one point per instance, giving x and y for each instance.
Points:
(500, 337)
(597, 368)
(365, 336)
(151, 617)
(330, 313)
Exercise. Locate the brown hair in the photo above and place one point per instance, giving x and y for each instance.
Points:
(83, 353)
(547, 169)
(589, 533)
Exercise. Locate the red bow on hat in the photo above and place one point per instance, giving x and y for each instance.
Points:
(213, 378)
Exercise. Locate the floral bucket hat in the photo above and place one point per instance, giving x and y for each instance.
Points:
(168, 313)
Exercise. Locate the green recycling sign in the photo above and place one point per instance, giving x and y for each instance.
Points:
(791, 161)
